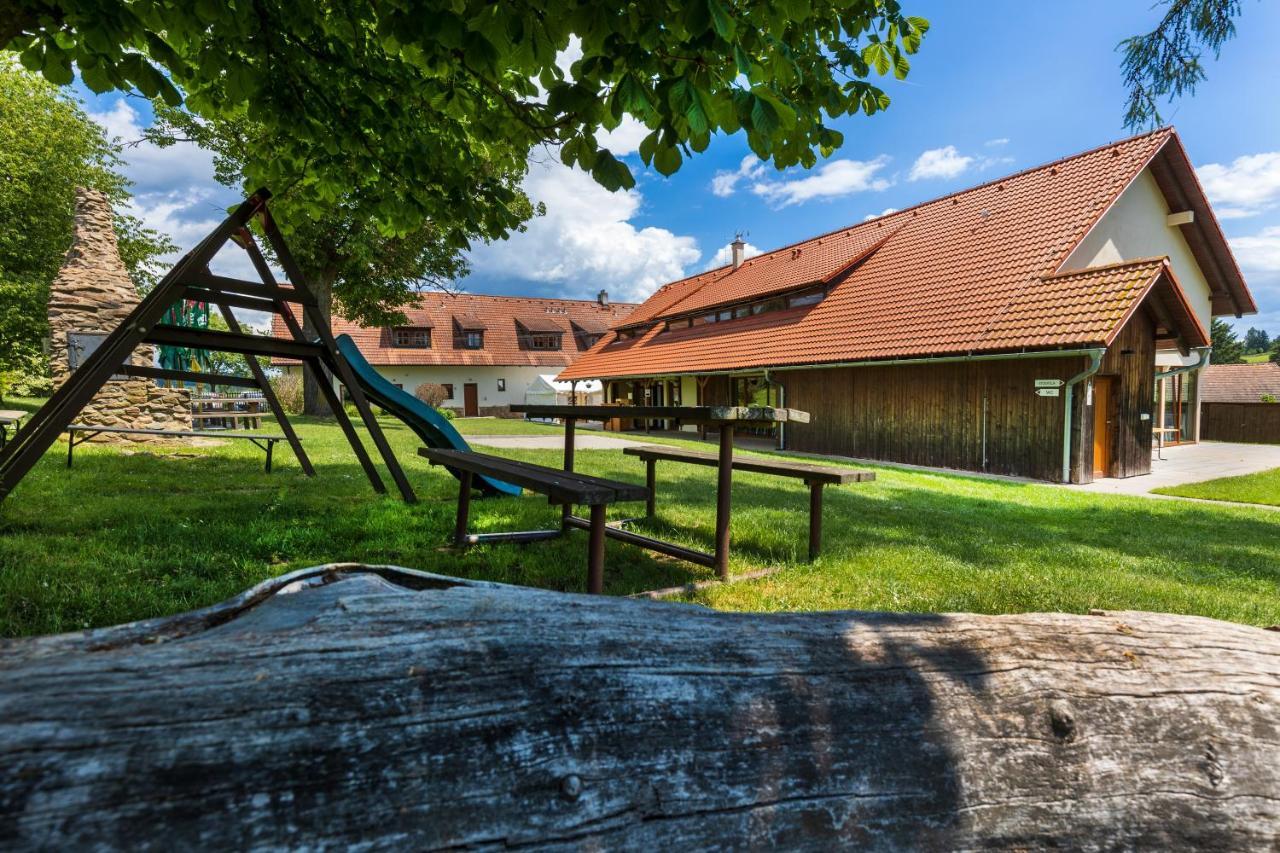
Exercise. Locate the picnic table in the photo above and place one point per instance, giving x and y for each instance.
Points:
(726, 419)
(229, 411)
(9, 418)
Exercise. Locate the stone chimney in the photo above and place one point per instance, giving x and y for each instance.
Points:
(91, 296)
(739, 247)
(603, 298)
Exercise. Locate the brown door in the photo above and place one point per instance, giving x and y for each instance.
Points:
(1104, 425)
(470, 400)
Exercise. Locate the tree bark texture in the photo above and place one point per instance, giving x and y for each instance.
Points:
(321, 284)
(377, 707)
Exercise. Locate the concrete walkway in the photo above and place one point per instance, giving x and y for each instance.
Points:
(581, 441)
(1192, 463)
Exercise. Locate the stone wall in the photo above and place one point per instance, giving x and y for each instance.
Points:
(93, 294)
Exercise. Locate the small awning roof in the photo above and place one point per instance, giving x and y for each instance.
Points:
(540, 324)
(470, 322)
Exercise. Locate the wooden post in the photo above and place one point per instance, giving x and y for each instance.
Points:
(815, 520)
(464, 508)
(724, 497)
(569, 426)
(651, 483)
(595, 551)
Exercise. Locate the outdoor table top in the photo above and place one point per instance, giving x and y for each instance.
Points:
(688, 414)
(12, 416)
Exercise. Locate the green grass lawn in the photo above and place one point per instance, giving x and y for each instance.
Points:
(1257, 357)
(1262, 487)
(126, 535)
(504, 426)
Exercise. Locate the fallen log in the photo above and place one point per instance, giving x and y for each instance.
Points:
(378, 707)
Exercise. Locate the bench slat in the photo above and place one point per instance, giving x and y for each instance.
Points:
(561, 486)
(799, 470)
(175, 433)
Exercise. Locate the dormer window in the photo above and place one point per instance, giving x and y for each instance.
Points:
(539, 333)
(411, 337)
(468, 332)
(587, 331)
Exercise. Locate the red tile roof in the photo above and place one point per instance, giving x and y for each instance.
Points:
(1239, 383)
(497, 315)
(975, 271)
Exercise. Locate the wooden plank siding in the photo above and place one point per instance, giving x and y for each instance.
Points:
(1251, 423)
(1131, 359)
(933, 414)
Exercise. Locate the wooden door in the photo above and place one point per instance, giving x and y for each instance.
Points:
(1104, 425)
(470, 400)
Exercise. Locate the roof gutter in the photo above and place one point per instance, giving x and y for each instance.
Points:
(881, 362)
(1095, 362)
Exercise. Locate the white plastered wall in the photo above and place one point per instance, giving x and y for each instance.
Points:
(1136, 227)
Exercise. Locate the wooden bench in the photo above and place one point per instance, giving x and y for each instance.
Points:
(814, 476)
(561, 487)
(88, 431)
(9, 418)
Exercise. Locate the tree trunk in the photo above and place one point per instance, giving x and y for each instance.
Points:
(378, 707)
(321, 284)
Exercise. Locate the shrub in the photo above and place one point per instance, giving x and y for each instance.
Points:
(447, 414)
(1268, 398)
(288, 388)
(431, 394)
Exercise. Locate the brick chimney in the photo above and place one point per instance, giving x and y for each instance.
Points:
(739, 247)
(603, 298)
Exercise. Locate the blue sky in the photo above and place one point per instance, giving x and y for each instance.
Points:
(997, 87)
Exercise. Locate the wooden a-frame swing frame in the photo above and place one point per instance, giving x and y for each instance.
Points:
(190, 278)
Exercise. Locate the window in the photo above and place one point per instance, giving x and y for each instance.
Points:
(502, 385)
(541, 340)
(813, 297)
(448, 390)
(411, 337)
(469, 339)
(586, 340)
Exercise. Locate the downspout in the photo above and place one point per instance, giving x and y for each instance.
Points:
(1095, 362)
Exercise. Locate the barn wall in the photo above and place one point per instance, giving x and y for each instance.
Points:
(1131, 358)
(935, 414)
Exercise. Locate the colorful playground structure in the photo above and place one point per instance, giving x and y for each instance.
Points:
(174, 317)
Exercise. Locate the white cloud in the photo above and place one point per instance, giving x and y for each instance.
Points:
(998, 142)
(725, 183)
(1244, 187)
(945, 162)
(625, 138)
(884, 212)
(586, 241)
(832, 180)
(1259, 257)
(725, 254)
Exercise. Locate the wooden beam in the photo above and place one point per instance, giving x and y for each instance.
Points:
(235, 300)
(223, 284)
(231, 342)
(187, 376)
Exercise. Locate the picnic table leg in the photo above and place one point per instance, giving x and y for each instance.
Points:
(595, 551)
(815, 520)
(270, 446)
(724, 494)
(464, 508)
(651, 483)
(567, 509)
(71, 445)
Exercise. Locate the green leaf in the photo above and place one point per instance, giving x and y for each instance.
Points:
(745, 66)
(723, 22)
(667, 160)
(876, 54)
(611, 173)
(647, 147)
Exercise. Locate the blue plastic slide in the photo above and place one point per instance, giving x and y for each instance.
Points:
(430, 426)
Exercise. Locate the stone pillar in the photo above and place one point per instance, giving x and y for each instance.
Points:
(92, 295)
